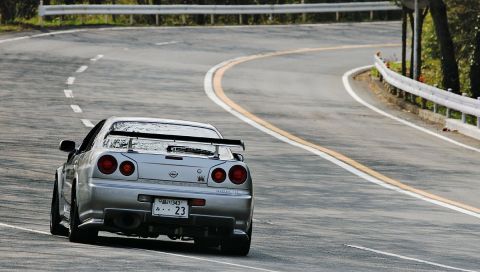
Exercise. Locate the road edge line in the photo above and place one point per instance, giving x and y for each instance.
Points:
(380, 252)
(348, 87)
(344, 162)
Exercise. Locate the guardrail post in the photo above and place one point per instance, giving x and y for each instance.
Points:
(240, 19)
(424, 103)
(304, 15)
(105, 18)
(464, 116)
(131, 19)
(337, 15)
(447, 112)
(371, 15)
(435, 108)
(157, 19)
(212, 19)
(40, 13)
(184, 19)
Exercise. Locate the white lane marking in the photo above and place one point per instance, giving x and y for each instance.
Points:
(68, 93)
(97, 57)
(409, 258)
(82, 69)
(70, 80)
(57, 33)
(15, 39)
(208, 87)
(352, 93)
(87, 123)
(76, 108)
(166, 43)
(212, 261)
(24, 229)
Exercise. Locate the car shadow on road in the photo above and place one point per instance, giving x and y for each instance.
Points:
(173, 247)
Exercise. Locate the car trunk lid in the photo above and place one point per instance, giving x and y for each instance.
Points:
(173, 167)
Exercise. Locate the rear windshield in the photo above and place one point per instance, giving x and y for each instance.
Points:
(164, 146)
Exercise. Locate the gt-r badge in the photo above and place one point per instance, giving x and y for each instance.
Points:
(173, 174)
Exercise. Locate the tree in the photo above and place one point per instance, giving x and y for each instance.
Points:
(464, 22)
(11, 9)
(449, 64)
(475, 68)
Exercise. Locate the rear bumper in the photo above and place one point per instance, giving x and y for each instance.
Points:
(114, 206)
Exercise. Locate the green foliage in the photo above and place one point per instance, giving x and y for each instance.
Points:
(11, 9)
(431, 66)
(374, 72)
(463, 19)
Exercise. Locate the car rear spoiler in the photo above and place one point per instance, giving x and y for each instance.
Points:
(178, 138)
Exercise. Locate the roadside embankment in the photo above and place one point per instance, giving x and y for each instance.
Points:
(389, 94)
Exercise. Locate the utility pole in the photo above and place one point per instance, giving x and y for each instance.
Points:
(416, 6)
(416, 41)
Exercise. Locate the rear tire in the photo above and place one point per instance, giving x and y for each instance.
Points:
(239, 246)
(56, 228)
(77, 235)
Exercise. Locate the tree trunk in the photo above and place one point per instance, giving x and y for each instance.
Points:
(475, 68)
(449, 64)
(7, 11)
(423, 14)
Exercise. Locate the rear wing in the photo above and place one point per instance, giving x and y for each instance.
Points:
(179, 138)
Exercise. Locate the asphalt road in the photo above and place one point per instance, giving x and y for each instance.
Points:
(310, 214)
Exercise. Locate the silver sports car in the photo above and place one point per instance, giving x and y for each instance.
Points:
(149, 177)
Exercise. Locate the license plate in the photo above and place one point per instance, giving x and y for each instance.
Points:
(170, 207)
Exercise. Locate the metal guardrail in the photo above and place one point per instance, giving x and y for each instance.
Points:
(214, 9)
(460, 103)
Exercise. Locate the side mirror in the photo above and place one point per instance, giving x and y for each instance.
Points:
(67, 146)
(238, 157)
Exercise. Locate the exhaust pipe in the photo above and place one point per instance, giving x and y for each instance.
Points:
(127, 221)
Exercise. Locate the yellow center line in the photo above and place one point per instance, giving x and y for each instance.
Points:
(218, 89)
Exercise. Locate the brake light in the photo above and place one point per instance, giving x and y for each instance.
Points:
(237, 174)
(197, 202)
(219, 175)
(107, 164)
(127, 168)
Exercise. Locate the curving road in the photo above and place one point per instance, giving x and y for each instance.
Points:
(310, 214)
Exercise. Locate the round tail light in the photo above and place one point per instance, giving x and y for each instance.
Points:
(219, 175)
(127, 168)
(107, 164)
(237, 174)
